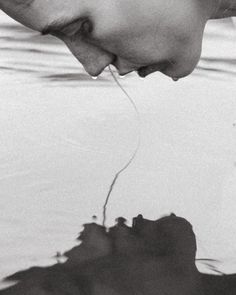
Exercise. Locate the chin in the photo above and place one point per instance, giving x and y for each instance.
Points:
(184, 63)
(179, 71)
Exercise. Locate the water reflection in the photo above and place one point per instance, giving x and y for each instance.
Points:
(71, 77)
(15, 70)
(223, 68)
(15, 32)
(149, 257)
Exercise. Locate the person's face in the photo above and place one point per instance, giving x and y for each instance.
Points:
(133, 35)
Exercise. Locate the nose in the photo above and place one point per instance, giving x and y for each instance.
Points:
(93, 58)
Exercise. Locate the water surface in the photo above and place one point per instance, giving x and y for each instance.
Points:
(63, 136)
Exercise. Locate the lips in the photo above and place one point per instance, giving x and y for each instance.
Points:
(160, 67)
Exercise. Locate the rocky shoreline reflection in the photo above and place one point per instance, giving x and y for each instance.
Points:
(150, 257)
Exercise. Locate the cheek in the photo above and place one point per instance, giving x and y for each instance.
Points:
(138, 39)
(120, 33)
(134, 45)
(145, 40)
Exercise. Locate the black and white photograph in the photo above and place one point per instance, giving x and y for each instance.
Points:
(117, 147)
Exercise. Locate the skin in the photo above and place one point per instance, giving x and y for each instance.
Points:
(133, 35)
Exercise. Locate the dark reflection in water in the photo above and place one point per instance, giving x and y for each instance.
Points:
(69, 77)
(75, 79)
(32, 50)
(16, 28)
(15, 32)
(217, 70)
(151, 257)
(13, 69)
(226, 66)
(30, 38)
(36, 64)
(226, 61)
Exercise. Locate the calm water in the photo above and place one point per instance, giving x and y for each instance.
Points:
(63, 136)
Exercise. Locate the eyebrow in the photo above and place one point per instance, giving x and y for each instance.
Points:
(57, 26)
(24, 3)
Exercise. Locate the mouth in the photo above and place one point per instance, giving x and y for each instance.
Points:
(147, 70)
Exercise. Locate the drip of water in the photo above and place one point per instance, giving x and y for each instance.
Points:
(94, 218)
(133, 154)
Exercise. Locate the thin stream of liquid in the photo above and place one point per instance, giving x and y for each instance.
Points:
(117, 175)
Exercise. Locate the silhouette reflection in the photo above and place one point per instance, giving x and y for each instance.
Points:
(150, 257)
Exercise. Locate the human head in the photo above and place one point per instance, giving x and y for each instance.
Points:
(147, 36)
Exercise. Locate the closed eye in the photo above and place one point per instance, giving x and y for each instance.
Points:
(82, 26)
(86, 27)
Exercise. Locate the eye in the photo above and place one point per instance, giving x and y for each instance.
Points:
(81, 27)
(86, 27)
